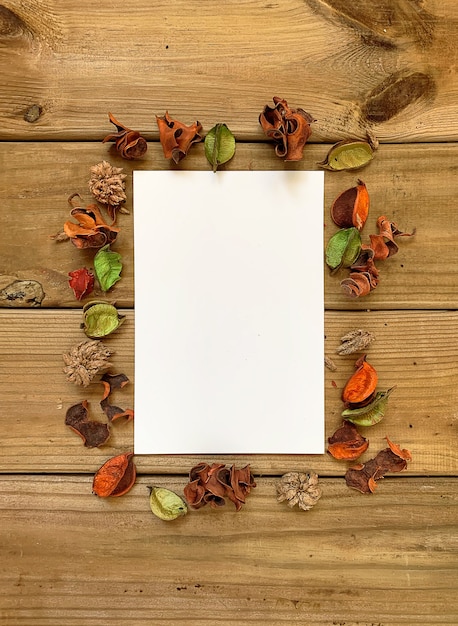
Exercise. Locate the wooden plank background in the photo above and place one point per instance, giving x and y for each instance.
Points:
(387, 67)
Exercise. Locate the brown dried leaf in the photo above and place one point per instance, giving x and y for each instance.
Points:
(94, 434)
(177, 138)
(355, 341)
(346, 443)
(212, 484)
(288, 128)
(363, 477)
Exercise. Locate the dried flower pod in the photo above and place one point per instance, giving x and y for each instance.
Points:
(354, 341)
(348, 155)
(85, 360)
(116, 476)
(91, 230)
(346, 443)
(94, 434)
(177, 138)
(299, 488)
(100, 319)
(219, 145)
(364, 477)
(107, 186)
(288, 128)
(343, 248)
(351, 207)
(129, 143)
(166, 504)
(370, 414)
(360, 387)
(212, 484)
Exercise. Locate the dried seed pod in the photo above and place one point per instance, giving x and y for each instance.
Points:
(361, 386)
(346, 443)
(177, 138)
(351, 207)
(299, 488)
(348, 155)
(372, 413)
(343, 248)
(166, 504)
(355, 341)
(100, 319)
(116, 476)
(85, 360)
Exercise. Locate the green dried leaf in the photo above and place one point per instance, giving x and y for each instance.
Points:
(100, 319)
(107, 266)
(219, 145)
(348, 155)
(166, 504)
(343, 248)
(370, 414)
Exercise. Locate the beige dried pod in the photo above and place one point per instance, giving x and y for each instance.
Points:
(299, 488)
(107, 185)
(85, 360)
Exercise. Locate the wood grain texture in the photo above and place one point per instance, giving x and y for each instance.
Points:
(416, 351)
(414, 185)
(112, 562)
(389, 66)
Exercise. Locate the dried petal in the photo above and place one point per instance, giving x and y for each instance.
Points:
(372, 413)
(362, 384)
(100, 319)
(108, 267)
(343, 248)
(348, 155)
(346, 443)
(93, 434)
(129, 143)
(351, 207)
(354, 341)
(116, 476)
(82, 282)
(166, 504)
(403, 454)
(299, 488)
(288, 128)
(177, 138)
(219, 145)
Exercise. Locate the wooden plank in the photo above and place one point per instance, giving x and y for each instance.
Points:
(388, 65)
(414, 185)
(386, 559)
(417, 351)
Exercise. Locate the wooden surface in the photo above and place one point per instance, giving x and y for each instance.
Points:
(387, 67)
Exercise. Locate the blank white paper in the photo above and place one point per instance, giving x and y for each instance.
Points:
(229, 312)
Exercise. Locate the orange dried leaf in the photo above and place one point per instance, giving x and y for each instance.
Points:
(403, 454)
(176, 138)
(288, 128)
(346, 443)
(351, 207)
(129, 143)
(361, 386)
(116, 476)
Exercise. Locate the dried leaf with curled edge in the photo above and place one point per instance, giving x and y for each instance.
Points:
(288, 128)
(346, 443)
(299, 488)
(384, 244)
(176, 138)
(94, 434)
(212, 484)
(343, 248)
(129, 143)
(100, 319)
(219, 145)
(360, 387)
(348, 155)
(351, 207)
(116, 476)
(166, 504)
(371, 414)
(111, 382)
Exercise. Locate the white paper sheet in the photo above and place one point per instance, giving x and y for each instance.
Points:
(229, 328)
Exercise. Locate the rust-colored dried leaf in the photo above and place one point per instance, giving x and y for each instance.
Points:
(351, 207)
(361, 386)
(384, 244)
(94, 434)
(363, 477)
(82, 282)
(401, 453)
(116, 476)
(115, 412)
(346, 443)
(90, 231)
(176, 138)
(211, 484)
(110, 383)
(289, 128)
(129, 143)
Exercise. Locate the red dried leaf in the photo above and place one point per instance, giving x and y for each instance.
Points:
(346, 443)
(94, 434)
(129, 143)
(82, 282)
(288, 128)
(116, 476)
(176, 138)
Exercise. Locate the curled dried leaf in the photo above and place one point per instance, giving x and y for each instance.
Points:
(94, 434)
(176, 138)
(100, 319)
(346, 443)
(110, 383)
(364, 477)
(348, 155)
(360, 387)
(166, 504)
(299, 488)
(211, 484)
(90, 229)
(289, 128)
(116, 476)
(384, 244)
(351, 207)
(129, 143)
(355, 341)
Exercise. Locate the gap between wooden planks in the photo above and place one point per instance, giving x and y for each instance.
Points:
(268, 563)
(414, 350)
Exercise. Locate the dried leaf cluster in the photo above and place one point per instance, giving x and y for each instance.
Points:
(288, 128)
(212, 484)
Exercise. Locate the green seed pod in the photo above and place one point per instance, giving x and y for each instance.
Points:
(348, 155)
(372, 413)
(343, 248)
(100, 319)
(166, 504)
